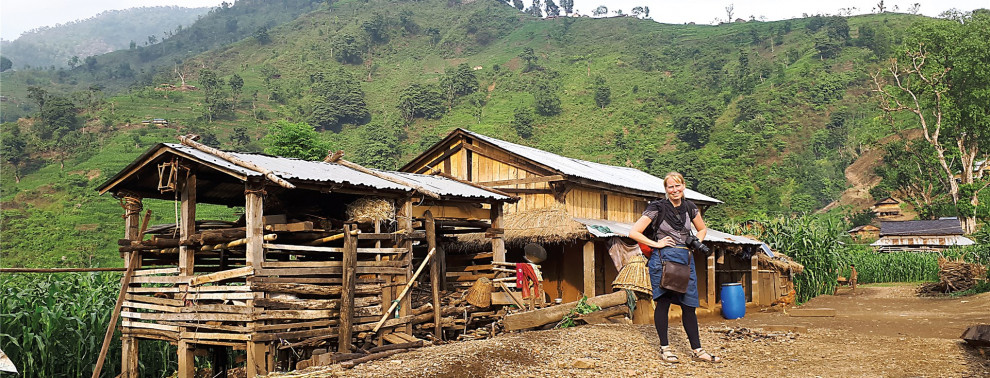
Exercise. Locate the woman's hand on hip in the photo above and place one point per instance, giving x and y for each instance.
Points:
(667, 241)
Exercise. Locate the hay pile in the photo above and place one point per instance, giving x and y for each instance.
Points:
(370, 209)
(781, 262)
(955, 275)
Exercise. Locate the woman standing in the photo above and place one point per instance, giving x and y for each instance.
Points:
(673, 218)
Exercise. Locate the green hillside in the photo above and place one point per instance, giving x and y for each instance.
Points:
(762, 115)
(108, 31)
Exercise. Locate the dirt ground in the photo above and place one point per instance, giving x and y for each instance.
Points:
(880, 331)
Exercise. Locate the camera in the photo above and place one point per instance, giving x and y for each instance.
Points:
(695, 244)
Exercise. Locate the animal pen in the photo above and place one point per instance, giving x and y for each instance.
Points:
(322, 259)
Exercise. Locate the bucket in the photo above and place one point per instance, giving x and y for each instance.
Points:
(733, 301)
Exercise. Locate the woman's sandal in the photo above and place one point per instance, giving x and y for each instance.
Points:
(700, 355)
(667, 354)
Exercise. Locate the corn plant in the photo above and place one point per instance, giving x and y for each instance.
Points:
(52, 325)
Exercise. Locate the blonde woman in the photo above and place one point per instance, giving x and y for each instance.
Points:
(673, 218)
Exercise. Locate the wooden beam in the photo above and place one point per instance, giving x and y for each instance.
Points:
(589, 268)
(405, 290)
(187, 362)
(711, 281)
(755, 279)
(383, 176)
(471, 184)
(438, 159)
(527, 180)
(187, 223)
(547, 315)
(347, 295)
(510, 159)
(253, 213)
(190, 140)
(221, 275)
(498, 243)
(436, 273)
(108, 336)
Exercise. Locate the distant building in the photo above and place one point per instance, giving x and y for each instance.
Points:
(920, 235)
(865, 232)
(887, 208)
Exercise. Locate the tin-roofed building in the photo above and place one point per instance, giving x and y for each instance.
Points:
(921, 235)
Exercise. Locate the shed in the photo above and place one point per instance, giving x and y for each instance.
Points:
(321, 252)
(921, 235)
(864, 232)
(887, 208)
(559, 199)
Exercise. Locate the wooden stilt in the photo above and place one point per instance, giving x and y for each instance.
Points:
(498, 243)
(187, 362)
(755, 279)
(435, 273)
(589, 269)
(347, 294)
(406, 223)
(711, 282)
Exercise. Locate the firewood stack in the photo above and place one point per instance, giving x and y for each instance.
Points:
(460, 320)
(955, 275)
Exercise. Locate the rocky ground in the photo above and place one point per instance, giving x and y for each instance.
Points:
(880, 331)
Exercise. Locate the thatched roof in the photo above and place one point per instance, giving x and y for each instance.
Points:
(545, 226)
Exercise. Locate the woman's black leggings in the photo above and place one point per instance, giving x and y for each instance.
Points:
(689, 318)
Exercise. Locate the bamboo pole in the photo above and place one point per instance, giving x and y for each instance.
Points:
(405, 290)
(189, 140)
(124, 283)
(335, 158)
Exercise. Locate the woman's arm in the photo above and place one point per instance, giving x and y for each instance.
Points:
(699, 224)
(636, 233)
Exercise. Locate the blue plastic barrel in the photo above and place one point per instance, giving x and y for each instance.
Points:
(733, 301)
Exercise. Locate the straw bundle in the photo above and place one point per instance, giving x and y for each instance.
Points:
(370, 209)
(634, 276)
(480, 294)
(544, 226)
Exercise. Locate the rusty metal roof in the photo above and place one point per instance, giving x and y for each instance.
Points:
(609, 174)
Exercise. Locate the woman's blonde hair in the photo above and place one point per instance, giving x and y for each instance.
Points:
(676, 176)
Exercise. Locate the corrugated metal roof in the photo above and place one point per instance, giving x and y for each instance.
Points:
(619, 176)
(948, 226)
(607, 228)
(318, 171)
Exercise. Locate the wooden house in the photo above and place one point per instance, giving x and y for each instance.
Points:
(562, 202)
(920, 235)
(321, 255)
(887, 208)
(865, 232)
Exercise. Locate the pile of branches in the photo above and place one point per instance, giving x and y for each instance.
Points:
(459, 319)
(955, 276)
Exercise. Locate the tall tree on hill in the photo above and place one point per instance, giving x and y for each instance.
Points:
(568, 6)
(551, 8)
(214, 97)
(529, 56)
(944, 85)
(236, 85)
(536, 9)
(295, 140)
(13, 148)
(603, 93)
(459, 81)
(518, 4)
(600, 11)
(339, 100)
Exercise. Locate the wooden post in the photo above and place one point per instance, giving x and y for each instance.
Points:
(347, 294)
(435, 272)
(129, 359)
(257, 362)
(132, 231)
(187, 362)
(187, 224)
(406, 223)
(498, 242)
(754, 270)
(711, 281)
(589, 268)
(253, 213)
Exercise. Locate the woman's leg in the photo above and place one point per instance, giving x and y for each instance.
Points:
(690, 320)
(660, 319)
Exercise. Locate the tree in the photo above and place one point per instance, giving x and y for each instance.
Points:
(261, 35)
(339, 100)
(90, 63)
(236, 85)
(943, 85)
(213, 94)
(603, 93)
(458, 82)
(294, 140)
(73, 62)
(910, 171)
(637, 11)
(13, 148)
(37, 94)
(551, 8)
(346, 49)
(419, 100)
(568, 6)
(694, 124)
(381, 148)
(522, 121)
(536, 9)
(547, 102)
(518, 4)
(529, 56)
(377, 28)
(5, 64)
(239, 138)
(600, 11)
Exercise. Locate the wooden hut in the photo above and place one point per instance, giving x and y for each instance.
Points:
(920, 235)
(562, 201)
(318, 257)
(887, 208)
(865, 232)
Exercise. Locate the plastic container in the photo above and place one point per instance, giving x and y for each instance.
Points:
(733, 301)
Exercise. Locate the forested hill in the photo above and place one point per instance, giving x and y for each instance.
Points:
(762, 115)
(48, 47)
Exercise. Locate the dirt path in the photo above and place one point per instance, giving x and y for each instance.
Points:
(882, 331)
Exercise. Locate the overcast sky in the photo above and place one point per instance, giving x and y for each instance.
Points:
(18, 16)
